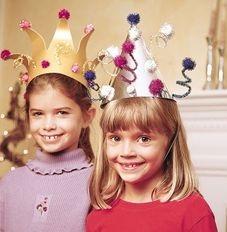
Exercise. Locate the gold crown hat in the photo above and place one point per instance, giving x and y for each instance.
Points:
(137, 73)
(60, 57)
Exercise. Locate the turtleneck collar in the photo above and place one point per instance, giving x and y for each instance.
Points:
(47, 164)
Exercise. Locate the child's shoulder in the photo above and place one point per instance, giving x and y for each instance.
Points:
(197, 201)
(13, 175)
(196, 207)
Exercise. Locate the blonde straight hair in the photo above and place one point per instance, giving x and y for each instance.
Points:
(162, 115)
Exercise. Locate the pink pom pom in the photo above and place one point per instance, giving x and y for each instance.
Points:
(75, 68)
(45, 63)
(89, 28)
(63, 14)
(120, 61)
(24, 77)
(25, 24)
(5, 54)
(156, 87)
(128, 46)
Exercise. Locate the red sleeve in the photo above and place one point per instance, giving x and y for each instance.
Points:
(207, 224)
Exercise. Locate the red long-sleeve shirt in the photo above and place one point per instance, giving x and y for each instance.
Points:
(190, 214)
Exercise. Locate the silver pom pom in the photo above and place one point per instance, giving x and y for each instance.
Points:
(113, 51)
(150, 65)
(131, 90)
(107, 92)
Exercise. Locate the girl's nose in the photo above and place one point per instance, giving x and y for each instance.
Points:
(49, 123)
(128, 150)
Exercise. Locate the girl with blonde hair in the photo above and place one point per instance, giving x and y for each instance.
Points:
(143, 178)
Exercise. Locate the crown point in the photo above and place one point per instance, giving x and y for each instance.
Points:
(156, 87)
(133, 19)
(120, 61)
(24, 24)
(45, 63)
(64, 14)
(128, 46)
(5, 54)
(89, 28)
(188, 64)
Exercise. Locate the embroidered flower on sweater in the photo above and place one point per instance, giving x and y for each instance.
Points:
(41, 207)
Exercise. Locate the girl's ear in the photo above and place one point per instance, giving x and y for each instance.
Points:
(88, 116)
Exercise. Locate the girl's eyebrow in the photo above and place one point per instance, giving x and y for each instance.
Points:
(63, 108)
(34, 109)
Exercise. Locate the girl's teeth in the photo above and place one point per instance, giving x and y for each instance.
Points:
(51, 138)
(129, 165)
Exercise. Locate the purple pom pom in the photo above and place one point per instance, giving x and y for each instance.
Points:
(133, 19)
(128, 46)
(120, 61)
(90, 75)
(63, 14)
(45, 63)
(188, 63)
(5, 54)
(156, 87)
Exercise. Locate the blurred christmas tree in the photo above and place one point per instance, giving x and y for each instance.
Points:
(10, 139)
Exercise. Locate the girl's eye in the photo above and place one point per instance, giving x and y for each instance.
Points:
(62, 112)
(36, 114)
(114, 138)
(144, 139)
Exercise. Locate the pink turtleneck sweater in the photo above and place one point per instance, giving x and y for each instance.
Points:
(49, 194)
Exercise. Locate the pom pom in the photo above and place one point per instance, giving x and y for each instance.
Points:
(167, 30)
(107, 92)
(5, 54)
(188, 64)
(120, 61)
(75, 68)
(156, 87)
(89, 28)
(131, 90)
(133, 19)
(25, 24)
(90, 75)
(45, 63)
(63, 14)
(113, 51)
(128, 46)
(150, 65)
(24, 77)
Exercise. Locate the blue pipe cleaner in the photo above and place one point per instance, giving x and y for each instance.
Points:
(188, 64)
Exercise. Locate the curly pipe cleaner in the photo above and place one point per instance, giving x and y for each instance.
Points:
(188, 64)
(123, 78)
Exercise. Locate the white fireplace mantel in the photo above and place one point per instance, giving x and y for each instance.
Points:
(204, 114)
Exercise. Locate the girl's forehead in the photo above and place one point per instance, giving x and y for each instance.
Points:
(51, 97)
